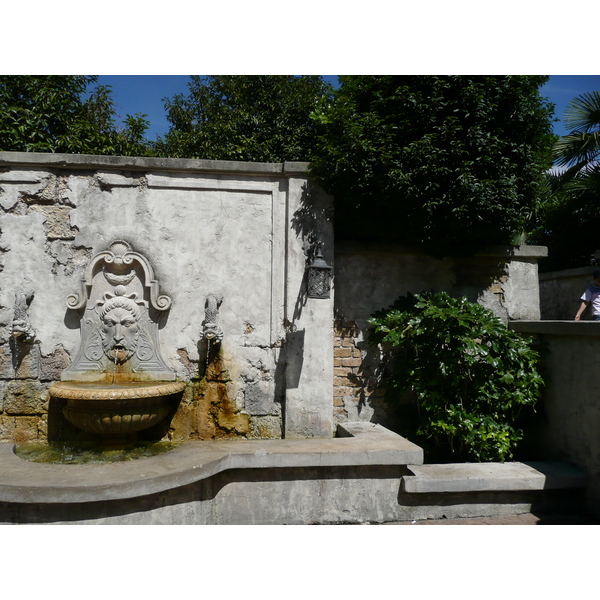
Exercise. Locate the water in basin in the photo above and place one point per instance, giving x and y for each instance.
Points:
(89, 453)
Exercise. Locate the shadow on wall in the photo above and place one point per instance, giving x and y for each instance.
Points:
(312, 223)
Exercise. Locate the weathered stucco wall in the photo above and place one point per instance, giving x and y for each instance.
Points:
(239, 230)
(569, 416)
(369, 277)
(242, 231)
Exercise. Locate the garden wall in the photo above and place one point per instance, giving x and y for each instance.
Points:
(241, 231)
(369, 277)
(567, 424)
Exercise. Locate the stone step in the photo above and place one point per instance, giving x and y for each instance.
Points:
(491, 477)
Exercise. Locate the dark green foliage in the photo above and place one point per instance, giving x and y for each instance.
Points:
(471, 375)
(263, 118)
(55, 113)
(449, 163)
(570, 224)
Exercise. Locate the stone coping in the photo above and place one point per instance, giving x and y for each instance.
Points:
(361, 444)
(138, 163)
(573, 328)
(508, 251)
(492, 477)
(523, 251)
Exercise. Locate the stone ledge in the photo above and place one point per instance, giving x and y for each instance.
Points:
(494, 477)
(523, 251)
(27, 482)
(508, 251)
(137, 163)
(574, 328)
(568, 274)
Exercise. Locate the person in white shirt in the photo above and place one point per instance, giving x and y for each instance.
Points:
(591, 296)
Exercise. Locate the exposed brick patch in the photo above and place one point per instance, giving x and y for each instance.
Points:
(342, 352)
(353, 381)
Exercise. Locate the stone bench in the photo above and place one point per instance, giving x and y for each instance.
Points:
(492, 477)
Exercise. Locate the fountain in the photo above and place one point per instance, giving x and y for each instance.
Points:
(118, 383)
(234, 239)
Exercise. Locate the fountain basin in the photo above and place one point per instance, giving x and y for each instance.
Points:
(116, 410)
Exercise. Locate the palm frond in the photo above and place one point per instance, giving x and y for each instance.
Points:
(583, 113)
(577, 148)
(588, 180)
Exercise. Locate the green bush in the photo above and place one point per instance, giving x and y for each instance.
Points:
(471, 375)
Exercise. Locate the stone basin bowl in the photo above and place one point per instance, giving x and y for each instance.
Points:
(116, 410)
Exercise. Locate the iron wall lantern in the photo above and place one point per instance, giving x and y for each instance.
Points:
(319, 277)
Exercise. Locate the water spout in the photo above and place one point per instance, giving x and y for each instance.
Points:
(115, 369)
(210, 328)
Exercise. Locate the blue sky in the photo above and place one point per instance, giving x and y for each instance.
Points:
(561, 89)
(145, 93)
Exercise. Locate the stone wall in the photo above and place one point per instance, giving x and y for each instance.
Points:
(568, 418)
(243, 231)
(561, 291)
(369, 277)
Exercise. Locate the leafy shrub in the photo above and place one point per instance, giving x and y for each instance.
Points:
(471, 375)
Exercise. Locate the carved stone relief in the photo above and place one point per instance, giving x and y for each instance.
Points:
(121, 311)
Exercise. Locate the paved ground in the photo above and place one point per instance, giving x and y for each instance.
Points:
(525, 519)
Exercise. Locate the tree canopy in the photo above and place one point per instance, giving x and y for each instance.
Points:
(263, 118)
(450, 163)
(58, 113)
(571, 218)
